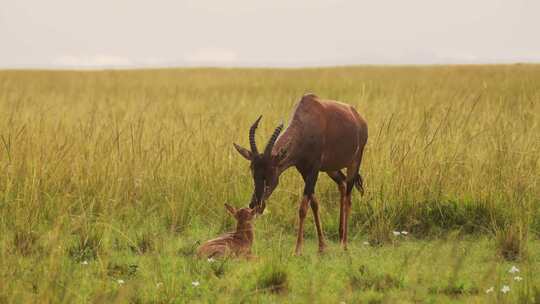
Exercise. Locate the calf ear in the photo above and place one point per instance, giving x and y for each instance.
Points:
(259, 209)
(244, 152)
(231, 209)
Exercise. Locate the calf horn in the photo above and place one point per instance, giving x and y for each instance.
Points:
(272, 140)
(252, 136)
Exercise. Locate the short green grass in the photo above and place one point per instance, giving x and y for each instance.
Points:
(115, 176)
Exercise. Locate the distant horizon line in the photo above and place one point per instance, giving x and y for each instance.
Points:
(242, 66)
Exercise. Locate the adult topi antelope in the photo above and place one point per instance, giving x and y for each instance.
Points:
(323, 135)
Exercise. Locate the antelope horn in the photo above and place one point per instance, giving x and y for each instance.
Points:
(252, 136)
(272, 140)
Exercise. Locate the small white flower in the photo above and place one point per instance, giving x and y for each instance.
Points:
(396, 233)
(195, 283)
(366, 243)
(211, 260)
(84, 262)
(518, 278)
(514, 269)
(120, 281)
(404, 232)
(505, 289)
(490, 290)
(159, 284)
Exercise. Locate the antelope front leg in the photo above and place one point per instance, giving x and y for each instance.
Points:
(302, 211)
(315, 208)
(310, 179)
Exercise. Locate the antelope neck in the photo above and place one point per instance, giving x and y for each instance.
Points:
(288, 141)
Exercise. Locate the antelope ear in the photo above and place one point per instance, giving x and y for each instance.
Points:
(244, 152)
(231, 209)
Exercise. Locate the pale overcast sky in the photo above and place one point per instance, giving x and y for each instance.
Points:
(131, 33)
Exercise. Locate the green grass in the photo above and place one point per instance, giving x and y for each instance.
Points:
(127, 170)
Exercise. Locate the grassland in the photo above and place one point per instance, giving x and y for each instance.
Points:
(109, 179)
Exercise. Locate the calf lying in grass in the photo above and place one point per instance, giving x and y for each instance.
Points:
(236, 243)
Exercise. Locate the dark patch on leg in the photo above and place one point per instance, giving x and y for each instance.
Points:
(337, 176)
(359, 184)
(310, 181)
(350, 185)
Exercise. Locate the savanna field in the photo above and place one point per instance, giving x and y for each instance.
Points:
(109, 180)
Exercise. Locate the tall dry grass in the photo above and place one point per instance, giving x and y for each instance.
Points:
(93, 162)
